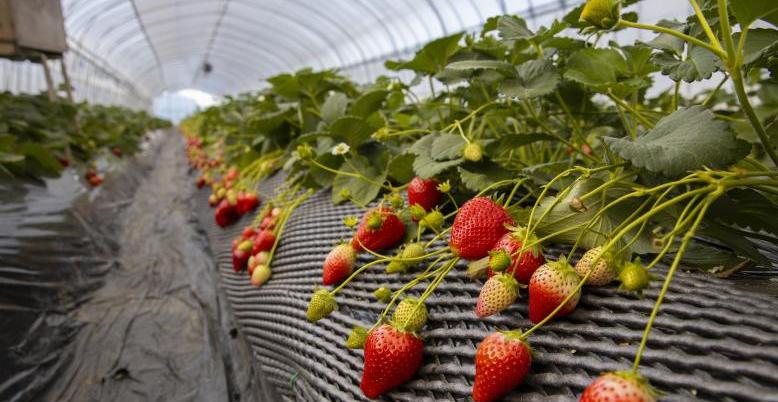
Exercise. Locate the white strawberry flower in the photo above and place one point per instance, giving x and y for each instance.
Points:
(341, 149)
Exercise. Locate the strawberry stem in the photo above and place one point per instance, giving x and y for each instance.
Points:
(671, 272)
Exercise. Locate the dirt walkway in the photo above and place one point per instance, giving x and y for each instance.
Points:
(156, 331)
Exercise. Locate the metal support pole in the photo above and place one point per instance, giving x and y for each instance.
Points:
(69, 92)
(66, 78)
(47, 73)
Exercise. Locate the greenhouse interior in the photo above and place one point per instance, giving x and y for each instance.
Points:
(352, 200)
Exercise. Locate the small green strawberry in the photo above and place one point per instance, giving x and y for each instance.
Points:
(434, 220)
(634, 277)
(383, 294)
(412, 251)
(357, 337)
(396, 267)
(417, 212)
(410, 315)
(499, 260)
(497, 294)
(396, 200)
(601, 13)
(321, 305)
(472, 152)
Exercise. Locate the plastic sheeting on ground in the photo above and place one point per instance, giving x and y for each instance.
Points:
(111, 295)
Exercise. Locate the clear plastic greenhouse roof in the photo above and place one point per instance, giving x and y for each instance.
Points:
(130, 52)
(164, 44)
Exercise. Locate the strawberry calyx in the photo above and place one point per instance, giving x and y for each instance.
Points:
(638, 379)
(499, 260)
(520, 233)
(375, 220)
(514, 335)
(509, 281)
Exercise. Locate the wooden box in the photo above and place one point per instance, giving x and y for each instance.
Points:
(31, 27)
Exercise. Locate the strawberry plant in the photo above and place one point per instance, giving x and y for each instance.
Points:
(39, 137)
(529, 138)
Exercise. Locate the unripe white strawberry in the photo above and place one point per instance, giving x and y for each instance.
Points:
(603, 272)
(260, 275)
(497, 294)
(410, 315)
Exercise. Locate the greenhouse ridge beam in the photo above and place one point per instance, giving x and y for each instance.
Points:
(211, 40)
(148, 39)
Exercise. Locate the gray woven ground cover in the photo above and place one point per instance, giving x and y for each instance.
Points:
(714, 340)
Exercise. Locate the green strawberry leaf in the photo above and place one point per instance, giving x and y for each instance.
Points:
(6, 157)
(757, 41)
(512, 27)
(534, 78)
(698, 65)
(559, 217)
(513, 141)
(687, 139)
(478, 176)
(472, 65)
(41, 155)
(334, 107)
(748, 11)
(368, 103)
(747, 209)
(432, 58)
(706, 257)
(666, 42)
(425, 166)
(596, 68)
(401, 168)
(447, 146)
(351, 130)
(361, 192)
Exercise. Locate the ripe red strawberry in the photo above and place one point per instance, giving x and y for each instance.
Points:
(392, 357)
(620, 386)
(240, 259)
(424, 193)
(479, 223)
(501, 363)
(95, 180)
(263, 241)
(246, 202)
(497, 294)
(524, 265)
(225, 214)
(232, 173)
(268, 222)
(248, 233)
(338, 264)
(65, 162)
(117, 152)
(549, 286)
(201, 181)
(379, 229)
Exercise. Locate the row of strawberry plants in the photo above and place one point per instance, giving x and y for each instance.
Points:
(40, 137)
(528, 138)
